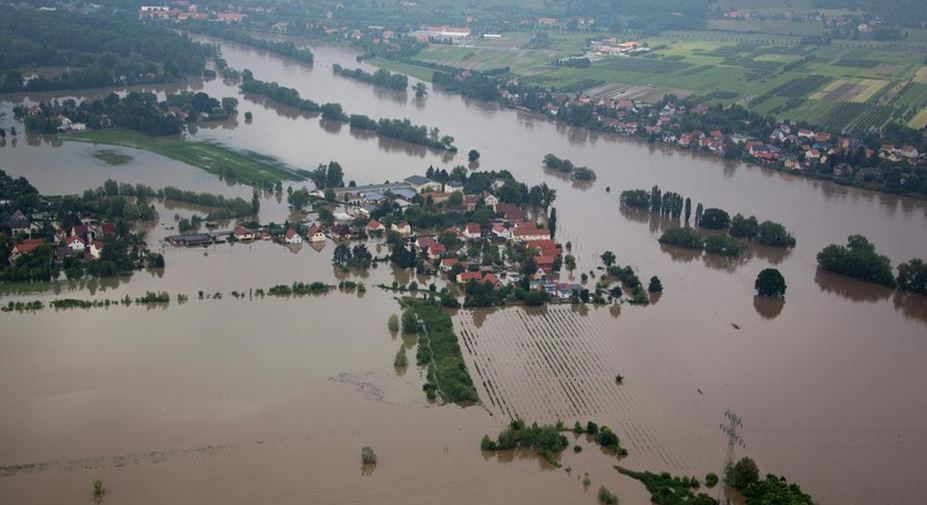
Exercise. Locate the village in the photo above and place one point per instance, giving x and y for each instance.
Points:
(786, 146)
(43, 237)
(491, 241)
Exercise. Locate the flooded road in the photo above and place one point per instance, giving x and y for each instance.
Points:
(828, 383)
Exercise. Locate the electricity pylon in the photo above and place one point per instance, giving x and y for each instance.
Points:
(731, 427)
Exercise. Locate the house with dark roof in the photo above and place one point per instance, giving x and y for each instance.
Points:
(18, 221)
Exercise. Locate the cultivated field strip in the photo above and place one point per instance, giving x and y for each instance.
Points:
(560, 363)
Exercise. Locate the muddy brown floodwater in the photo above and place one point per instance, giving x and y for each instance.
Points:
(270, 400)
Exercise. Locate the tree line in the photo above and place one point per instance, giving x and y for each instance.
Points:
(381, 77)
(399, 129)
(674, 206)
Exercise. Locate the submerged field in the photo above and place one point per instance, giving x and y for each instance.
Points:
(560, 363)
(771, 73)
(246, 167)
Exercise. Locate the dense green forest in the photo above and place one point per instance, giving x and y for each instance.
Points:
(92, 50)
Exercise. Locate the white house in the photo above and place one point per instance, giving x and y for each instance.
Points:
(490, 200)
(76, 244)
(292, 237)
(500, 231)
(96, 248)
(452, 186)
(472, 231)
(242, 233)
(402, 227)
(314, 233)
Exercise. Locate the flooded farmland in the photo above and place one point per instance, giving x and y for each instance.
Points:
(269, 400)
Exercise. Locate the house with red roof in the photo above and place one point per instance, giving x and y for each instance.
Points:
(425, 241)
(545, 262)
(25, 247)
(544, 247)
(436, 251)
(315, 233)
(530, 231)
(402, 227)
(478, 276)
(470, 202)
(375, 226)
(472, 231)
(500, 231)
(511, 212)
(76, 244)
(242, 233)
(436, 196)
(292, 237)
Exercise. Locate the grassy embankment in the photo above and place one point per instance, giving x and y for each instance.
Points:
(439, 350)
(247, 167)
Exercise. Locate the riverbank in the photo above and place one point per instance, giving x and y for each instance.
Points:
(247, 167)
(891, 168)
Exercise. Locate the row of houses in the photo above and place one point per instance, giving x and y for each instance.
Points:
(82, 240)
(182, 11)
(785, 145)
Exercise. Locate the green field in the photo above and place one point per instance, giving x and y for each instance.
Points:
(421, 73)
(771, 73)
(243, 166)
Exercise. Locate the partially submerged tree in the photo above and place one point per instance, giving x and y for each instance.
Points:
(368, 456)
(770, 283)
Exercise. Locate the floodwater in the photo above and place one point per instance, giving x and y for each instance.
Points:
(270, 400)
